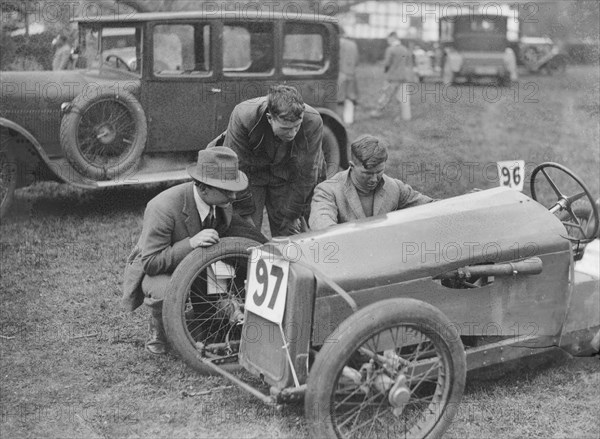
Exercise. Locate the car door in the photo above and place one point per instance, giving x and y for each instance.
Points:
(180, 91)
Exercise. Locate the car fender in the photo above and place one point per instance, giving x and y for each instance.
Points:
(24, 151)
(333, 121)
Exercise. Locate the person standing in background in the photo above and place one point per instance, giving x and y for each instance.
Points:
(62, 53)
(347, 83)
(398, 70)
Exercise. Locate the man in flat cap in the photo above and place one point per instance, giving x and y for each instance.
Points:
(178, 220)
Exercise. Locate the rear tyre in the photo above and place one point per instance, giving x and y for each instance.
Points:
(396, 369)
(202, 307)
(9, 172)
(104, 134)
(331, 151)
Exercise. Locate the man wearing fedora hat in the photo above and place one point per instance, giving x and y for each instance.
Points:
(178, 220)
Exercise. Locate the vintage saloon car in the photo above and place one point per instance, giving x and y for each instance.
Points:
(154, 88)
(376, 322)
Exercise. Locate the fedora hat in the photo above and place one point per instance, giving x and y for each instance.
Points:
(218, 167)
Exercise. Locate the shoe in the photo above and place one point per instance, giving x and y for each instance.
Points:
(157, 339)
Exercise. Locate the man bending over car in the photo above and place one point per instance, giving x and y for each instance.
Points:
(363, 190)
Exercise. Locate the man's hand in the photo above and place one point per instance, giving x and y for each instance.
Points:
(290, 227)
(204, 238)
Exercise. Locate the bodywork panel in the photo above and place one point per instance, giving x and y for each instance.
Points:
(263, 348)
(582, 320)
(407, 249)
(399, 255)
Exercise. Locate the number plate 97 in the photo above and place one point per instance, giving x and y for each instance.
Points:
(267, 288)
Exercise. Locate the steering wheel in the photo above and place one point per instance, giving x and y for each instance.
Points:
(578, 228)
(118, 60)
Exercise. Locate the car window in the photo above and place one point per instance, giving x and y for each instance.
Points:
(118, 47)
(248, 48)
(182, 49)
(304, 49)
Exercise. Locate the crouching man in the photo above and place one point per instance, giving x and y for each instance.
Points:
(178, 220)
(363, 190)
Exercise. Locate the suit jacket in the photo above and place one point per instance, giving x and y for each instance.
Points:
(170, 219)
(398, 64)
(336, 200)
(250, 135)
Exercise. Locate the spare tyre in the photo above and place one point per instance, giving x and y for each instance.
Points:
(103, 135)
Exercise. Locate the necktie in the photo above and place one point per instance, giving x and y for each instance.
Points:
(209, 221)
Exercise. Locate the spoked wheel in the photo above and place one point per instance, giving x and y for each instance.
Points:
(551, 191)
(8, 179)
(104, 134)
(203, 311)
(397, 369)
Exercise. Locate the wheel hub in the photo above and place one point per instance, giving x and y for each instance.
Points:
(106, 133)
(399, 394)
(232, 310)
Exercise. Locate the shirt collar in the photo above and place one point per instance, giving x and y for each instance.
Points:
(203, 208)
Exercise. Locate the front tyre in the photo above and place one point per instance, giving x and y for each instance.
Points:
(204, 307)
(104, 134)
(8, 179)
(397, 369)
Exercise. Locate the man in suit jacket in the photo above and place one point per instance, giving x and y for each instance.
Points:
(178, 220)
(278, 141)
(398, 69)
(363, 190)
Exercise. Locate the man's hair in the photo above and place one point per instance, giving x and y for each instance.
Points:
(200, 185)
(285, 102)
(393, 35)
(369, 151)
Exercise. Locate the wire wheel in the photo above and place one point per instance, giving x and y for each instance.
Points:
(204, 308)
(105, 135)
(397, 369)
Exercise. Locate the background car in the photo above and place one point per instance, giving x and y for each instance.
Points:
(154, 88)
(540, 54)
(476, 46)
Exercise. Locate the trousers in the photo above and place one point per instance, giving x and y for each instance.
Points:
(398, 90)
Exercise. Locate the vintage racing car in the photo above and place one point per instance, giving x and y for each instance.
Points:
(376, 322)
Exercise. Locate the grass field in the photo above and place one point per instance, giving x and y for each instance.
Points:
(72, 363)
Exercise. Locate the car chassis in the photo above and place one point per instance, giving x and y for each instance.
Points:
(384, 347)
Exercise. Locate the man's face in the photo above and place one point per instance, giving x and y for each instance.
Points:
(216, 197)
(367, 178)
(283, 129)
